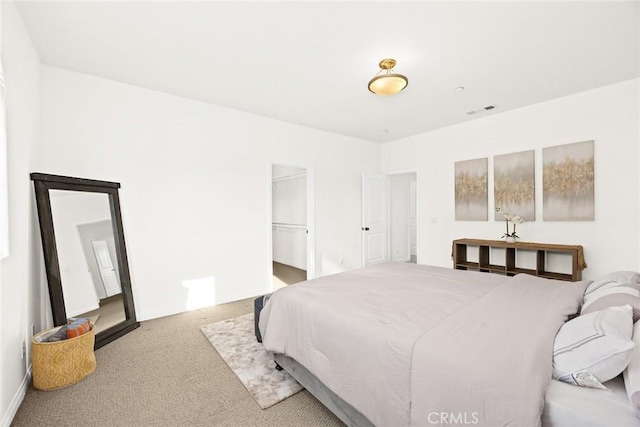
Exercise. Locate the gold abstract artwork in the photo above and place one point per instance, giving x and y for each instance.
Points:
(471, 190)
(514, 184)
(568, 182)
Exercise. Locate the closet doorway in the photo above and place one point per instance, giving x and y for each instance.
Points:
(292, 257)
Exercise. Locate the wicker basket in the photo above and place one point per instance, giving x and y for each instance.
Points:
(63, 363)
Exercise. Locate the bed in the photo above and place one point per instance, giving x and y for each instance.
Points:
(445, 347)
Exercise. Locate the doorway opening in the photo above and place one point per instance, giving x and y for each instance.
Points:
(292, 255)
(403, 225)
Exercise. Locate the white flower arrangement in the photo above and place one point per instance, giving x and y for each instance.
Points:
(515, 219)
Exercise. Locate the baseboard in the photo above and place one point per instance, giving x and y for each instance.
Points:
(142, 315)
(17, 400)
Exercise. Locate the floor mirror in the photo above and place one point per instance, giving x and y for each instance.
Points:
(85, 254)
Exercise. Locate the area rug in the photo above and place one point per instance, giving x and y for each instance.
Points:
(235, 342)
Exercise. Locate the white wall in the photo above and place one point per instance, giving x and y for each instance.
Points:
(608, 115)
(22, 294)
(196, 182)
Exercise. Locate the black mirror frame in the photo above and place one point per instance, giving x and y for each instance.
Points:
(42, 184)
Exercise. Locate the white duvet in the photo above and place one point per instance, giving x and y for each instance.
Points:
(400, 341)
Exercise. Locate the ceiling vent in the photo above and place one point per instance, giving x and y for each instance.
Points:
(481, 110)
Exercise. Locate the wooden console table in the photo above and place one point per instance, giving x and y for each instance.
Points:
(508, 267)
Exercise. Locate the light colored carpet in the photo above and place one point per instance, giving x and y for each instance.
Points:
(235, 342)
(165, 373)
(284, 275)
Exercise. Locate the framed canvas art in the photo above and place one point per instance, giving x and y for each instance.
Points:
(567, 182)
(514, 184)
(471, 190)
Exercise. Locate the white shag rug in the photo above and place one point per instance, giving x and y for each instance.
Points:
(235, 342)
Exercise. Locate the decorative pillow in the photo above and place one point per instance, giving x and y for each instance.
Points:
(614, 289)
(596, 344)
(630, 277)
(632, 373)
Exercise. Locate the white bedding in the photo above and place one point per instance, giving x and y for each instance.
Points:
(567, 405)
(381, 351)
(356, 307)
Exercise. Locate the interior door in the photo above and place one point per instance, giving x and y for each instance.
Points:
(374, 221)
(108, 273)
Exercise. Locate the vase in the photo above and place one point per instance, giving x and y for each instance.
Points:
(510, 239)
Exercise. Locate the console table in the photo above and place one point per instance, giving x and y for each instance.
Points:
(508, 264)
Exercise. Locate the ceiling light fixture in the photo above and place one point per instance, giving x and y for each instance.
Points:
(387, 82)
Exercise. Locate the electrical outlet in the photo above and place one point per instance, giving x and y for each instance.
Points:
(23, 350)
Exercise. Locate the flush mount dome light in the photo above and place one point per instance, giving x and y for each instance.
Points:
(387, 82)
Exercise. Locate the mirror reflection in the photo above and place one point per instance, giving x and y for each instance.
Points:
(87, 255)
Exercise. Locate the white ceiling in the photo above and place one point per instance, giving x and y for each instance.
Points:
(309, 62)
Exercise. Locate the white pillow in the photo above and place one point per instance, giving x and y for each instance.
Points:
(628, 278)
(613, 289)
(598, 343)
(632, 373)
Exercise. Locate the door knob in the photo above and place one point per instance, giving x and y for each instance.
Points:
(365, 228)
